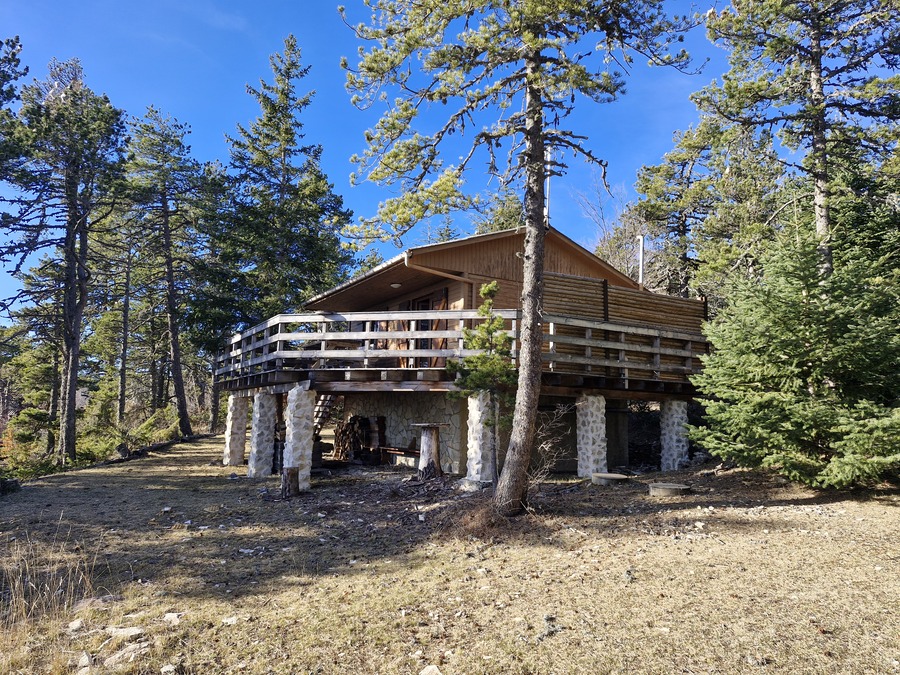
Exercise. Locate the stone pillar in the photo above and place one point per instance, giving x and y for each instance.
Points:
(673, 435)
(235, 430)
(591, 432)
(298, 437)
(262, 436)
(479, 460)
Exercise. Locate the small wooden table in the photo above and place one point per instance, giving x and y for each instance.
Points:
(430, 449)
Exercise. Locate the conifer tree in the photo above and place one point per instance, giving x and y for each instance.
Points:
(75, 144)
(802, 377)
(526, 60)
(821, 72)
(282, 242)
(492, 371)
(164, 180)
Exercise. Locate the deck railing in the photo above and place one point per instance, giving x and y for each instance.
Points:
(425, 340)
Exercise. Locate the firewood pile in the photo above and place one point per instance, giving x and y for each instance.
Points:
(357, 437)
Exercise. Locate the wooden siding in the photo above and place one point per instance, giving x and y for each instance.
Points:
(661, 311)
(509, 294)
(501, 259)
(652, 356)
(577, 296)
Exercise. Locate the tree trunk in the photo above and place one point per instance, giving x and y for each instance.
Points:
(430, 454)
(53, 409)
(819, 153)
(75, 248)
(154, 377)
(123, 354)
(184, 419)
(214, 402)
(510, 497)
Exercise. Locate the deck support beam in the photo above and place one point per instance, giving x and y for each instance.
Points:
(262, 435)
(479, 436)
(673, 435)
(299, 417)
(591, 435)
(235, 431)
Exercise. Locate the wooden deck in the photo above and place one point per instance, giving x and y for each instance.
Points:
(409, 350)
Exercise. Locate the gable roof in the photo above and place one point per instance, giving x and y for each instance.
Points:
(379, 284)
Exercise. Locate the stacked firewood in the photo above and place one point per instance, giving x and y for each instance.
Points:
(354, 438)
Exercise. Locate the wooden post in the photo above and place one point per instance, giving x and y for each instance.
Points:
(290, 482)
(430, 451)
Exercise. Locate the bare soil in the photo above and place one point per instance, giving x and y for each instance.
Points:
(195, 569)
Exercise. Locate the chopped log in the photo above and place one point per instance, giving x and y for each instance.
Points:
(290, 482)
(430, 452)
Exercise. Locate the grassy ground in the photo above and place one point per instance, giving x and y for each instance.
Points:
(172, 564)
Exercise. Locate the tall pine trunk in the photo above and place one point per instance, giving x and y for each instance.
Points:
(123, 354)
(510, 497)
(214, 403)
(819, 152)
(53, 408)
(184, 420)
(74, 298)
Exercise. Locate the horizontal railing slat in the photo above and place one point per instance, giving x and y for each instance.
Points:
(368, 337)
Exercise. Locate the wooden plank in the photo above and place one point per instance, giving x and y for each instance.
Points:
(617, 363)
(631, 347)
(621, 327)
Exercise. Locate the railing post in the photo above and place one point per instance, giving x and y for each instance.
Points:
(656, 357)
(367, 343)
(551, 331)
(623, 371)
(588, 335)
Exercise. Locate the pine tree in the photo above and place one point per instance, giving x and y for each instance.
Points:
(164, 180)
(491, 371)
(282, 244)
(821, 72)
(802, 376)
(75, 143)
(528, 59)
(11, 151)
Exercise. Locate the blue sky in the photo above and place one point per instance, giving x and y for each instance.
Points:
(193, 58)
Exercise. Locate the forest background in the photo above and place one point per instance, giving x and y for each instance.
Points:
(135, 260)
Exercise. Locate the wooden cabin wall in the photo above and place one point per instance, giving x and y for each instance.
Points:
(509, 293)
(574, 296)
(445, 294)
(660, 311)
(590, 298)
(501, 259)
(594, 299)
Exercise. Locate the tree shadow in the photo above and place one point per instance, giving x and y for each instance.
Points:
(179, 518)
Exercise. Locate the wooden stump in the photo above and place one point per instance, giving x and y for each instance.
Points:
(430, 454)
(290, 482)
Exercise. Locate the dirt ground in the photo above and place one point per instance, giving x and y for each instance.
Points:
(195, 569)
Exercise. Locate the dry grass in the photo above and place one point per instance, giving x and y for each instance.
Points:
(365, 574)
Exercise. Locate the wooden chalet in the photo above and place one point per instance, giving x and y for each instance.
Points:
(381, 341)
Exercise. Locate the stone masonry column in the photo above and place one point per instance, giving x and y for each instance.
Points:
(235, 430)
(262, 436)
(673, 435)
(479, 461)
(298, 438)
(591, 434)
